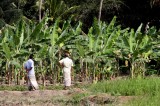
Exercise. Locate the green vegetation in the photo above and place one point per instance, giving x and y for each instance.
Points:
(77, 98)
(102, 51)
(13, 88)
(125, 44)
(145, 101)
(97, 54)
(128, 87)
(144, 92)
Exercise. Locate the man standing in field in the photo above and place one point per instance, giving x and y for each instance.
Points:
(31, 79)
(67, 65)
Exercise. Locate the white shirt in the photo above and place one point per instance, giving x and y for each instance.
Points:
(28, 65)
(67, 62)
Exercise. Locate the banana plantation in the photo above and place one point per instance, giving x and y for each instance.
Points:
(104, 52)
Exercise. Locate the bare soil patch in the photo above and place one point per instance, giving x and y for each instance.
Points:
(58, 98)
(105, 99)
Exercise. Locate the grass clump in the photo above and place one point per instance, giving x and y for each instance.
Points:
(77, 98)
(146, 91)
(147, 100)
(128, 87)
(51, 87)
(13, 88)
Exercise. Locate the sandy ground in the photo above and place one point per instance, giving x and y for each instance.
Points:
(58, 98)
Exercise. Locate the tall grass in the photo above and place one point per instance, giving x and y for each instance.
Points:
(128, 87)
(146, 91)
(148, 100)
(13, 88)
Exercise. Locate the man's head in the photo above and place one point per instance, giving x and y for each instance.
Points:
(66, 54)
(31, 56)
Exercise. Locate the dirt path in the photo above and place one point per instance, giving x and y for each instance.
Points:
(31, 98)
(36, 98)
(57, 98)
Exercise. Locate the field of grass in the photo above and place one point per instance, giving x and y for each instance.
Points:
(118, 92)
(146, 91)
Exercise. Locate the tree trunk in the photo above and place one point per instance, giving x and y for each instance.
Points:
(100, 10)
(44, 80)
(81, 68)
(18, 78)
(40, 12)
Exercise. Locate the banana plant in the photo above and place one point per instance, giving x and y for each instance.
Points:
(59, 40)
(41, 59)
(155, 37)
(58, 9)
(18, 46)
(7, 52)
(102, 38)
(11, 44)
(136, 47)
(16, 42)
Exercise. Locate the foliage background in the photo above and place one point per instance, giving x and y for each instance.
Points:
(120, 43)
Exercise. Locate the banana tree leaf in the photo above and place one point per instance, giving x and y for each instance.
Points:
(124, 30)
(146, 48)
(78, 29)
(18, 37)
(69, 10)
(7, 51)
(62, 38)
(82, 37)
(89, 60)
(43, 51)
(54, 35)
(96, 27)
(108, 51)
(155, 55)
(90, 53)
(125, 42)
(38, 59)
(112, 38)
(10, 26)
(131, 40)
(147, 54)
(66, 24)
(38, 29)
(52, 51)
(152, 31)
(5, 34)
(81, 50)
(21, 38)
(111, 25)
(138, 31)
(91, 39)
(22, 53)
(18, 65)
(41, 36)
(144, 41)
(97, 44)
(37, 45)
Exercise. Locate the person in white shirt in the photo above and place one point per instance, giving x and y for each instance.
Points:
(67, 65)
(31, 79)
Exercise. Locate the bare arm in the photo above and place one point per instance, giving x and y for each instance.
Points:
(27, 70)
(61, 64)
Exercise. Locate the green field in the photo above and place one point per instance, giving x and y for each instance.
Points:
(118, 92)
